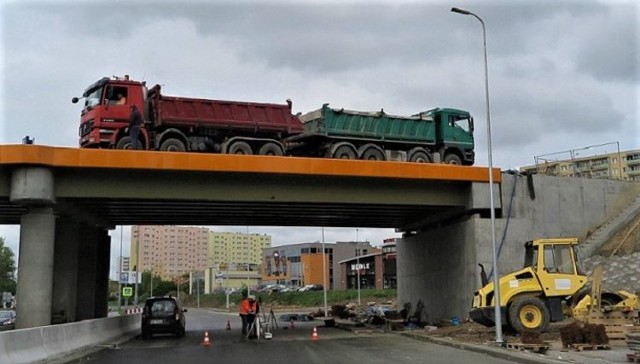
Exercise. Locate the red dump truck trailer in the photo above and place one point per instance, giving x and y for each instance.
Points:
(200, 125)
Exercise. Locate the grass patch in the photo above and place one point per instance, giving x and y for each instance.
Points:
(301, 299)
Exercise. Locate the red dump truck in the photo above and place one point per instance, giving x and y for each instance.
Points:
(232, 127)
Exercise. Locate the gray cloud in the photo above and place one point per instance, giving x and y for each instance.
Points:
(562, 74)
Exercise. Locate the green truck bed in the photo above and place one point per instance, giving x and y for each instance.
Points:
(369, 125)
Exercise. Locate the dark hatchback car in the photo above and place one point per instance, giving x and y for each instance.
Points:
(7, 320)
(162, 315)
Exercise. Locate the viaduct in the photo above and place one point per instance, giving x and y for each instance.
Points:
(66, 200)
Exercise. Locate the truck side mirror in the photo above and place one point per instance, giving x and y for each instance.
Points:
(75, 100)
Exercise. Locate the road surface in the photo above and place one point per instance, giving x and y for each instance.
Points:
(288, 345)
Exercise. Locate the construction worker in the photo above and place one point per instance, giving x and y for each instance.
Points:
(245, 307)
(252, 309)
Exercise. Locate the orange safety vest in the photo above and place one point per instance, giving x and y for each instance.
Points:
(245, 307)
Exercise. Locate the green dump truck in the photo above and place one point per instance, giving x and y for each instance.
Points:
(436, 135)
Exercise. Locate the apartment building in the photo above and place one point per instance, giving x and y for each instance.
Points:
(623, 165)
(235, 260)
(169, 251)
(215, 257)
(237, 249)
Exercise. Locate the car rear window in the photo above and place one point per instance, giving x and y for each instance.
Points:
(163, 307)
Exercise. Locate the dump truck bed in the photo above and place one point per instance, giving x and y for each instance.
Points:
(369, 125)
(257, 118)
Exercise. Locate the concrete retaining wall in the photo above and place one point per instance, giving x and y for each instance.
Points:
(55, 341)
(439, 265)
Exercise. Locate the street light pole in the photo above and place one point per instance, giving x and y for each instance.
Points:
(324, 274)
(358, 265)
(137, 265)
(120, 276)
(496, 280)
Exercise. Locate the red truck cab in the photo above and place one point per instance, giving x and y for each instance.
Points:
(106, 111)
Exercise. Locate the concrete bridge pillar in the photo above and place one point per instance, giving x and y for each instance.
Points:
(35, 268)
(102, 273)
(65, 276)
(438, 268)
(87, 273)
(33, 187)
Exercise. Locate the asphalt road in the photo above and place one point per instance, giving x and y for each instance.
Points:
(287, 346)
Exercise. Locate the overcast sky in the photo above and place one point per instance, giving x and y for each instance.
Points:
(563, 75)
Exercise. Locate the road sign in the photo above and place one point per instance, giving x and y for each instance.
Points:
(124, 277)
(127, 291)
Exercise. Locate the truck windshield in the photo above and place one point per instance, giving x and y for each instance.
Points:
(93, 98)
(463, 122)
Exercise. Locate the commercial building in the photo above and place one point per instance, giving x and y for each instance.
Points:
(297, 265)
(622, 165)
(376, 270)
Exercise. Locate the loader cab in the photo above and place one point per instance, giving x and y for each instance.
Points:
(555, 263)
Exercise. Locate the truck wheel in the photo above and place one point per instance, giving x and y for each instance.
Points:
(529, 314)
(240, 148)
(172, 145)
(345, 151)
(373, 154)
(270, 149)
(124, 143)
(419, 155)
(452, 159)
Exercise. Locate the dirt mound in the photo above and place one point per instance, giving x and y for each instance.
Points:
(625, 242)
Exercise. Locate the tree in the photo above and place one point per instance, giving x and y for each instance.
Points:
(7, 268)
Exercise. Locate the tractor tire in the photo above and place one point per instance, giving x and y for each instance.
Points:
(529, 314)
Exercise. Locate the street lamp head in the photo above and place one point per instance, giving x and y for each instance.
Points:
(460, 11)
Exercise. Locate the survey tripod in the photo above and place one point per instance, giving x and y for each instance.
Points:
(263, 325)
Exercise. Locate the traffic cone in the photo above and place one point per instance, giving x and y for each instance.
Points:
(291, 325)
(206, 342)
(314, 336)
(228, 325)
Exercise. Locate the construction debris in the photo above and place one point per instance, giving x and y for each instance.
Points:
(580, 333)
(633, 341)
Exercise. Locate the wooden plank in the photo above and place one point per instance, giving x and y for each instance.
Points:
(538, 348)
(583, 347)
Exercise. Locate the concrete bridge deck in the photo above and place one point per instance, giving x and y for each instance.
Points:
(115, 187)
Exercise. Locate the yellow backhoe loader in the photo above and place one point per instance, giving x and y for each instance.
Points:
(549, 288)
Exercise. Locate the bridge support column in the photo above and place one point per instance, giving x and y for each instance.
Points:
(65, 277)
(438, 267)
(87, 268)
(102, 273)
(33, 187)
(35, 268)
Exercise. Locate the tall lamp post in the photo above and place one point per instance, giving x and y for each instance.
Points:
(496, 281)
(324, 275)
(358, 265)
